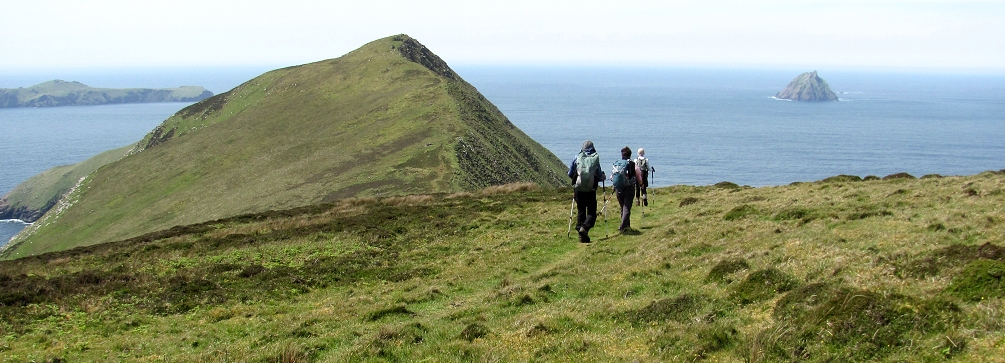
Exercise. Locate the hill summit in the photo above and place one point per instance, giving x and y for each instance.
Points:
(807, 87)
(389, 118)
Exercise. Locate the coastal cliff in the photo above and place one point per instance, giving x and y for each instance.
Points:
(63, 93)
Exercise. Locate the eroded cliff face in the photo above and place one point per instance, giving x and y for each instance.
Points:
(22, 212)
(807, 87)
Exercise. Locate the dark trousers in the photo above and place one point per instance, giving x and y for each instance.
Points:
(640, 188)
(586, 204)
(625, 197)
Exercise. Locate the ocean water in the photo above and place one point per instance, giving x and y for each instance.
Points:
(698, 126)
(34, 140)
(703, 126)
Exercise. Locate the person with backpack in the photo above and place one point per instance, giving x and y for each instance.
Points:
(586, 173)
(642, 163)
(624, 177)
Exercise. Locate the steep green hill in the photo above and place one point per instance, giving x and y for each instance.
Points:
(390, 118)
(842, 270)
(63, 93)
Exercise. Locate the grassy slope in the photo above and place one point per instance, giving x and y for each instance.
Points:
(369, 123)
(40, 192)
(829, 271)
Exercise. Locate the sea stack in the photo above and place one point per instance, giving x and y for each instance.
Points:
(807, 87)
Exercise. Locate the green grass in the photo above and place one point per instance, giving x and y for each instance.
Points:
(370, 123)
(491, 276)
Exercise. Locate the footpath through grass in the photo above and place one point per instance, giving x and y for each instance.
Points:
(892, 270)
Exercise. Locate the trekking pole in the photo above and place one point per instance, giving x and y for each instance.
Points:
(569, 231)
(653, 178)
(604, 209)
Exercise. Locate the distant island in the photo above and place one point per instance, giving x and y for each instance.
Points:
(807, 87)
(63, 93)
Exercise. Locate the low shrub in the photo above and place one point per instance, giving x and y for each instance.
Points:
(474, 331)
(688, 201)
(740, 212)
(899, 176)
(761, 285)
(830, 323)
(724, 268)
(679, 309)
(981, 279)
(842, 178)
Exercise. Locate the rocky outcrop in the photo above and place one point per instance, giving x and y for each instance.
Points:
(24, 213)
(807, 87)
(414, 51)
(63, 93)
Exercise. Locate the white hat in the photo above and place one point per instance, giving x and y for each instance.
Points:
(642, 152)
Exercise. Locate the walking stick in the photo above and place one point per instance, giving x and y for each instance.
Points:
(604, 209)
(569, 231)
(643, 204)
(652, 175)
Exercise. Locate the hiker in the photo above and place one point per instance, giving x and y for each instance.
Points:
(640, 188)
(624, 177)
(586, 173)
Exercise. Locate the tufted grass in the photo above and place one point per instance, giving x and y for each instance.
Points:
(491, 276)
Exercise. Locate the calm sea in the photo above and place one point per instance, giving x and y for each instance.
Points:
(698, 126)
(704, 126)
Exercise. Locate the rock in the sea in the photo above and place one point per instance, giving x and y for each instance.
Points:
(807, 87)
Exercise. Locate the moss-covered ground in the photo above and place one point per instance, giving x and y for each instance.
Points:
(842, 270)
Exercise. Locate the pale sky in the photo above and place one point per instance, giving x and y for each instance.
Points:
(932, 34)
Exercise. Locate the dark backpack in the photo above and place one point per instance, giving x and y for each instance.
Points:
(620, 175)
(586, 165)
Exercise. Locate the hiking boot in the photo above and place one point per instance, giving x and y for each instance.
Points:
(645, 201)
(583, 236)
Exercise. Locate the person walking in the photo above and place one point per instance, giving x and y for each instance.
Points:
(624, 176)
(586, 173)
(641, 162)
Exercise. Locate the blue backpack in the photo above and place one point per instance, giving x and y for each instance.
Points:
(620, 175)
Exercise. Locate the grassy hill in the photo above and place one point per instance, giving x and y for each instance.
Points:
(892, 270)
(390, 118)
(63, 93)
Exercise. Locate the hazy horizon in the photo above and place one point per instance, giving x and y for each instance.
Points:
(953, 35)
(220, 79)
